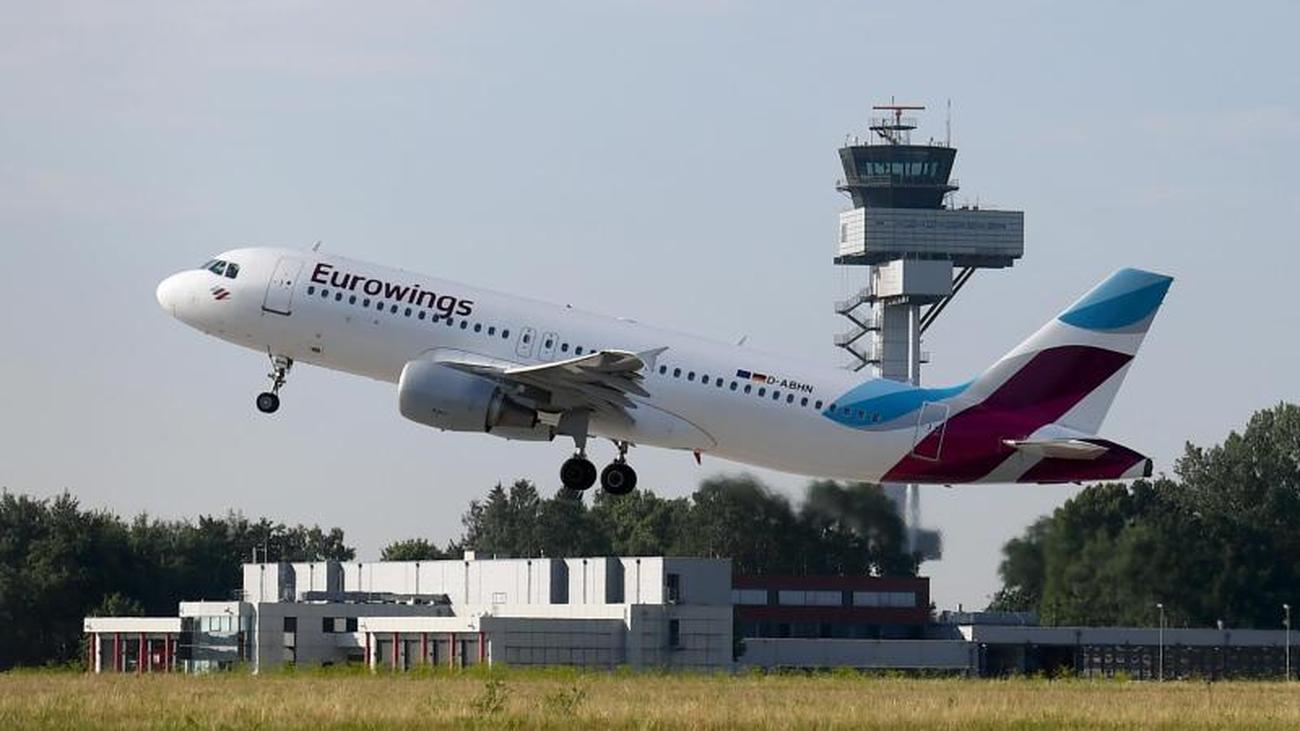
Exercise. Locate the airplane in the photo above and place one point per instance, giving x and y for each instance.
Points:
(473, 360)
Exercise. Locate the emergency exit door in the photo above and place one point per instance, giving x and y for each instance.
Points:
(279, 292)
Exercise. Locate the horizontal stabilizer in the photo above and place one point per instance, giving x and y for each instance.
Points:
(1058, 448)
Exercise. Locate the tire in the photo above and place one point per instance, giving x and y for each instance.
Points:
(267, 402)
(618, 479)
(578, 473)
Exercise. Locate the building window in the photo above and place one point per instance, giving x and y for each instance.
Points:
(350, 624)
(327, 625)
(673, 586)
(290, 624)
(674, 633)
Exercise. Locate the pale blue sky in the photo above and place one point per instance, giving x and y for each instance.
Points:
(671, 161)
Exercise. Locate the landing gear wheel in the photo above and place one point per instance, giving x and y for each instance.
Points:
(618, 478)
(578, 473)
(267, 402)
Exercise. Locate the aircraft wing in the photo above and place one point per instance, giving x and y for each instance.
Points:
(600, 381)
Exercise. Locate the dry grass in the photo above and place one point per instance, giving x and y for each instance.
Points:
(562, 699)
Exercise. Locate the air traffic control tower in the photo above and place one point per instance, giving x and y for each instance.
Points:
(917, 251)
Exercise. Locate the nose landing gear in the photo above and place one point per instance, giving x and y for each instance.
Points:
(268, 402)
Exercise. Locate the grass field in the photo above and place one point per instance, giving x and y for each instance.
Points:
(561, 699)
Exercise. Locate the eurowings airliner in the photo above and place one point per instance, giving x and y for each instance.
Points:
(474, 360)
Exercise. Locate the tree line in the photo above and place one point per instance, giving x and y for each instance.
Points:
(840, 529)
(1220, 540)
(60, 562)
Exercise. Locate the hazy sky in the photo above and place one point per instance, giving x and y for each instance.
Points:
(670, 161)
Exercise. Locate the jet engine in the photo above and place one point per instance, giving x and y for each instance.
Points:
(440, 396)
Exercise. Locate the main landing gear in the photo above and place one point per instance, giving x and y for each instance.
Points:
(578, 473)
(268, 402)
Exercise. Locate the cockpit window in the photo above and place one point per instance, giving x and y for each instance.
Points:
(218, 267)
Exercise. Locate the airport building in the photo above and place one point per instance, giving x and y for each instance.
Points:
(638, 612)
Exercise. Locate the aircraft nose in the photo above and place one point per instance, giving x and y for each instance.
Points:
(169, 293)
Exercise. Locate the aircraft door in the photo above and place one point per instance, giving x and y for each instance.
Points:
(927, 442)
(279, 291)
(548, 346)
(524, 348)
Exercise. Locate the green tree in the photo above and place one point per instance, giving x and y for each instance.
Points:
(1217, 543)
(417, 549)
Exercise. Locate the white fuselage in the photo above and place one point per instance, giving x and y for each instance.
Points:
(737, 403)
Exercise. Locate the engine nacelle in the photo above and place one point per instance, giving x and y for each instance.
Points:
(440, 396)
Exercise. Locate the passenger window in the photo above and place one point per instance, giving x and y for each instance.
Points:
(762, 391)
(704, 379)
(449, 322)
(733, 385)
(748, 388)
(232, 270)
(564, 347)
(324, 293)
(352, 300)
(408, 311)
(478, 327)
(690, 376)
(803, 401)
(311, 290)
(464, 324)
(789, 399)
(677, 373)
(719, 383)
(393, 309)
(776, 395)
(492, 329)
(421, 315)
(505, 334)
(549, 343)
(379, 305)
(527, 337)
(663, 370)
(578, 350)
(818, 406)
(365, 302)
(338, 296)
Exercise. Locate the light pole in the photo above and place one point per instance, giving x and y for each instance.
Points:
(1160, 661)
(1286, 622)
